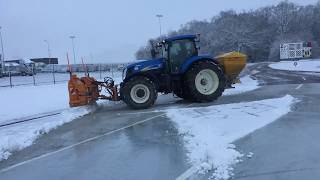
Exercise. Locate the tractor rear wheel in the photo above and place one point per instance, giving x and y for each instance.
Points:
(205, 82)
(139, 93)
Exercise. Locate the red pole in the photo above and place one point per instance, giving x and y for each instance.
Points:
(84, 69)
(69, 66)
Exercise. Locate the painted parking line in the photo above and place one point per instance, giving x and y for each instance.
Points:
(298, 87)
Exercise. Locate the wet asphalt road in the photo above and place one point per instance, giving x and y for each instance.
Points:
(119, 143)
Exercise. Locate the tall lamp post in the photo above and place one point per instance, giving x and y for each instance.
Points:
(74, 53)
(2, 54)
(159, 16)
(49, 55)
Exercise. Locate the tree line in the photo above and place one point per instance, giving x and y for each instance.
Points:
(257, 33)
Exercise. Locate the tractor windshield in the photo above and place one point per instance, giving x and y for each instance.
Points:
(179, 51)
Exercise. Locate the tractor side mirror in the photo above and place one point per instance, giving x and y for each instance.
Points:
(198, 45)
(197, 39)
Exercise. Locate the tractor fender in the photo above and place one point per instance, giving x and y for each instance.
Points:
(189, 62)
(150, 76)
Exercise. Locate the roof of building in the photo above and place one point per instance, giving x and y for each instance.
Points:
(45, 60)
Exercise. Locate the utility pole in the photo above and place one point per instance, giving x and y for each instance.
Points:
(159, 16)
(49, 55)
(74, 53)
(2, 54)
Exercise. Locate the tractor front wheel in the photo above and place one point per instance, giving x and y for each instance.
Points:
(139, 93)
(205, 82)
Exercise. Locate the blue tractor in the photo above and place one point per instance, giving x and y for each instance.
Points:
(180, 70)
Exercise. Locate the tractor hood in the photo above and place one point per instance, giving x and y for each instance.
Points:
(143, 66)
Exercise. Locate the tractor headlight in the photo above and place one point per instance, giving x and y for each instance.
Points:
(124, 73)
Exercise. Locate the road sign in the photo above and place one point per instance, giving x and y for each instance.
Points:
(300, 50)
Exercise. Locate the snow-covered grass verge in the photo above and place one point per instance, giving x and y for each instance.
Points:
(23, 101)
(20, 136)
(209, 131)
(312, 65)
(247, 84)
(18, 102)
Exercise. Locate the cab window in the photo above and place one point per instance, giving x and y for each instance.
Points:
(179, 51)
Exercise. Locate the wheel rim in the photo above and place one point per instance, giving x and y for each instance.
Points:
(140, 93)
(207, 82)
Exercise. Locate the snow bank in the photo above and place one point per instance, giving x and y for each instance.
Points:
(209, 131)
(25, 101)
(247, 84)
(302, 65)
(19, 136)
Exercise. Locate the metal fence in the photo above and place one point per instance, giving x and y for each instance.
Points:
(52, 78)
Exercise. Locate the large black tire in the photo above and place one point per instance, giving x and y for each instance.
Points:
(139, 93)
(205, 82)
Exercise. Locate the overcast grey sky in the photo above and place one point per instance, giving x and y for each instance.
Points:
(106, 30)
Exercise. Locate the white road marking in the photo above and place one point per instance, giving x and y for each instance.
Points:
(304, 78)
(188, 173)
(298, 87)
(150, 111)
(134, 113)
(80, 143)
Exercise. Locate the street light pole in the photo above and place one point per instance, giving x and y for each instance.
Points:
(49, 55)
(159, 16)
(74, 53)
(2, 54)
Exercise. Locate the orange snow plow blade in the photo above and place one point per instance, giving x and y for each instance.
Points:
(86, 90)
(82, 91)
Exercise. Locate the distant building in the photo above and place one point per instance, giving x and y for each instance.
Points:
(18, 67)
(15, 61)
(45, 60)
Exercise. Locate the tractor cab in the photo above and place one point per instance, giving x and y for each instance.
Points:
(177, 50)
(170, 56)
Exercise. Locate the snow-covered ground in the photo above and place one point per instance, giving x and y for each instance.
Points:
(32, 100)
(209, 131)
(312, 65)
(25, 101)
